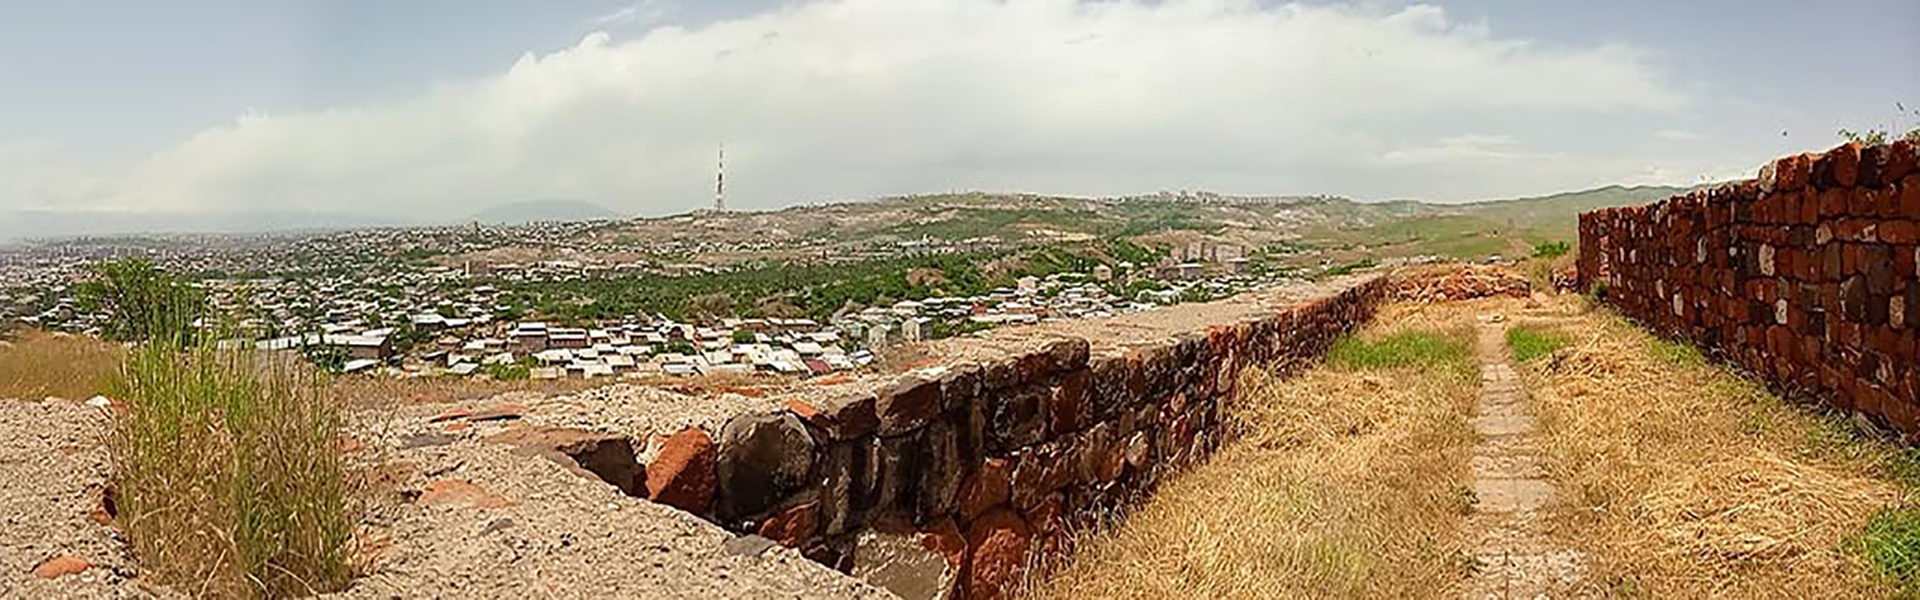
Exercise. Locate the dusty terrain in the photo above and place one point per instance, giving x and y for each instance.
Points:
(461, 516)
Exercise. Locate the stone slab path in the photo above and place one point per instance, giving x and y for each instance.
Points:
(1514, 557)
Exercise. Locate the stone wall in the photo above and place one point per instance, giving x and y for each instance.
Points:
(949, 479)
(1805, 276)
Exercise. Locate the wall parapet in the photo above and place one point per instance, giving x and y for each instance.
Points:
(1805, 275)
(948, 480)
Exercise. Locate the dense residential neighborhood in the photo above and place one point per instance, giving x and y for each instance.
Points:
(365, 302)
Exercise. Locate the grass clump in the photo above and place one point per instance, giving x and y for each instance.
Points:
(1892, 546)
(1530, 342)
(228, 471)
(1674, 353)
(1422, 349)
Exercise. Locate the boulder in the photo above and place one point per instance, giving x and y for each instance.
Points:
(763, 457)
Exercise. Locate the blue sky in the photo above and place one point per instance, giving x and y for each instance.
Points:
(434, 108)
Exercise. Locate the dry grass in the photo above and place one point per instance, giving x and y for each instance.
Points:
(36, 365)
(1349, 482)
(229, 474)
(1691, 482)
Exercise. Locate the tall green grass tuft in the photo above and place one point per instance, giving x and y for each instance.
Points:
(228, 471)
(1529, 342)
(1430, 350)
(1892, 545)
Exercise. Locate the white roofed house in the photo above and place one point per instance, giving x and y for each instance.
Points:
(567, 338)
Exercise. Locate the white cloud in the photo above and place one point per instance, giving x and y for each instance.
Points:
(856, 98)
(1680, 135)
(638, 13)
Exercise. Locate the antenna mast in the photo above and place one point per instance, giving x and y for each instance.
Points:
(720, 181)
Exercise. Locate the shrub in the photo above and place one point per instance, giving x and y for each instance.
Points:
(512, 371)
(1529, 342)
(1598, 290)
(1365, 263)
(228, 472)
(142, 302)
(1553, 249)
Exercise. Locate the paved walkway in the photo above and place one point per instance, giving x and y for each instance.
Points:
(1514, 558)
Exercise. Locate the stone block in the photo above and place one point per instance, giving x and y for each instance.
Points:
(763, 458)
(1070, 405)
(794, 526)
(911, 401)
(842, 418)
(1018, 418)
(901, 563)
(997, 546)
(685, 472)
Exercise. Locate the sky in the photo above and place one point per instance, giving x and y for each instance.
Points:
(433, 110)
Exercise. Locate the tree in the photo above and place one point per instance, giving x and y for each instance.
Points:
(140, 301)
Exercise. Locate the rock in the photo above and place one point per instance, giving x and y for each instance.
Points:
(497, 525)
(961, 383)
(685, 472)
(450, 415)
(1040, 471)
(842, 418)
(909, 403)
(989, 486)
(939, 462)
(1068, 354)
(793, 527)
(944, 537)
(499, 412)
(762, 458)
(1070, 407)
(423, 440)
(458, 492)
(904, 564)
(839, 486)
(60, 566)
(1139, 449)
(747, 545)
(1017, 418)
(997, 545)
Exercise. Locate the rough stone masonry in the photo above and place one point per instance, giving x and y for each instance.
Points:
(1808, 275)
(950, 479)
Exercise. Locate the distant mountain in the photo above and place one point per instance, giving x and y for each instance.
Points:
(545, 210)
(1559, 214)
(22, 224)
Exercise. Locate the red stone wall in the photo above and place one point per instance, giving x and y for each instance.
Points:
(1805, 276)
(988, 466)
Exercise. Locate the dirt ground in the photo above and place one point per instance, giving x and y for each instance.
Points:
(458, 516)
